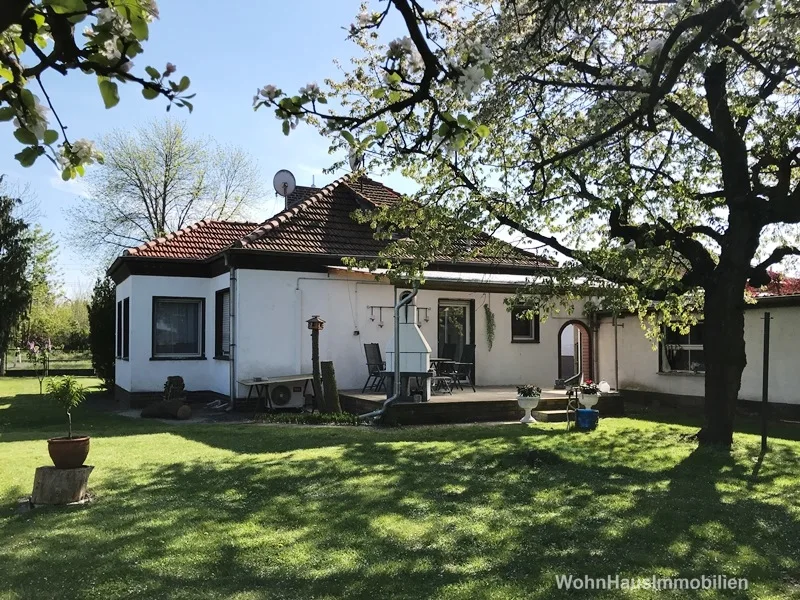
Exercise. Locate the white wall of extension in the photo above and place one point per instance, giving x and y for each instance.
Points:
(272, 338)
(638, 360)
(142, 374)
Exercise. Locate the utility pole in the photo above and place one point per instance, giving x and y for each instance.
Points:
(765, 385)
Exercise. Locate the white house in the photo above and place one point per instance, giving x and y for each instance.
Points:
(671, 372)
(220, 302)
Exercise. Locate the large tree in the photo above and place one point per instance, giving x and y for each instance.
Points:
(654, 144)
(39, 36)
(157, 179)
(15, 286)
(41, 317)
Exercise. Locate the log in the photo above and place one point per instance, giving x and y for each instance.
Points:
(167, 409)
(60, 486)
(330, 390)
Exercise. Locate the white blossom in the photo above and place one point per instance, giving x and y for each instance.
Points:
(170, 69)
(311, 90)
(110, 50)
(151, 10)
(33, 119)
(655, 46)
(270, 92)
(471, 79)
(400, 47)
(106, 15)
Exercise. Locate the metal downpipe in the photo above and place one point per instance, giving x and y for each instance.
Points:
(377, 414)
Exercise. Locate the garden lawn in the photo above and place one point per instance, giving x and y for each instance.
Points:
(277, 511)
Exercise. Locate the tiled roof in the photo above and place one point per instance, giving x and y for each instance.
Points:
(321, 224)
(319, 221)
(197, 241)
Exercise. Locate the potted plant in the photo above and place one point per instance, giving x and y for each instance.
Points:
(528, 397)
(67, 452)
(589, 393)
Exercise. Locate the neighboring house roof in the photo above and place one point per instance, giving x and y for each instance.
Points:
(318, 222)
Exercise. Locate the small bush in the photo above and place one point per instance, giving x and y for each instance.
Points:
(102, 338)
(306, 418)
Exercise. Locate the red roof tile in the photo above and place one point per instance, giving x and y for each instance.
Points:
(197, 241)
(318, 221)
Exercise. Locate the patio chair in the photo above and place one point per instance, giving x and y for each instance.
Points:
(375, 365)
(447, 351)
(464, 368)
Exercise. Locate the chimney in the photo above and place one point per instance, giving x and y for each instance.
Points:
(415, 353)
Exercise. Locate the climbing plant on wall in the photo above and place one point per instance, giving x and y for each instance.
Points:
(490, 325)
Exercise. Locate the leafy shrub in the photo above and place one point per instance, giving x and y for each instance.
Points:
(101, 330)
(315, 418)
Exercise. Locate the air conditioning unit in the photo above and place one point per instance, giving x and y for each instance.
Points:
(288, 395)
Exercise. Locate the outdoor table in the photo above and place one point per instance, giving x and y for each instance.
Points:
(260, 385)
(438, 363)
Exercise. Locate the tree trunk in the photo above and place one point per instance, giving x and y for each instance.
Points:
(315, 369)
(60, 486)
(724, 350)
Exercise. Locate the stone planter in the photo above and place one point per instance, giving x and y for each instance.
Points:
(528, 403)
(589, 400)
(68, 453)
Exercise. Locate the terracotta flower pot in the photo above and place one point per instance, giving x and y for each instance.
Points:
(68, 453)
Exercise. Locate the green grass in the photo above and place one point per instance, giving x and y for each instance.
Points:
(495, 512)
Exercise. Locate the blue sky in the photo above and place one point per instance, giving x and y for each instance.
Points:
(227, 54)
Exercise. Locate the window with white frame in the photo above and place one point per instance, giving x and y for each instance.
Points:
(683, 352)
(178, 325)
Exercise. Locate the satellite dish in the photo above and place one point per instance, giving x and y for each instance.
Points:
(284, 182)
(356, 160)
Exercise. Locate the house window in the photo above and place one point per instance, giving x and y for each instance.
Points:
(119, 329)
(178, 325)
(524, 329)
(222, 325)
(683, 352)
(123, 328)
(126, 327)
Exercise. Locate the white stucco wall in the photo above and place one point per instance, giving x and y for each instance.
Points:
(140, 373)
(638, 361)
(273, 338)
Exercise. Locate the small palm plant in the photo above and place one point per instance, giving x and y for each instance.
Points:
(68, 393)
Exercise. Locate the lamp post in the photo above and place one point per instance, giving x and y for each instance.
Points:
(315, 324)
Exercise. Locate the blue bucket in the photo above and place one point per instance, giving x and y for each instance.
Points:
(586, 419)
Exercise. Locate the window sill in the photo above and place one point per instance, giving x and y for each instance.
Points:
(178, 358)
(222, 358)
(681, 374)
(524, 341)
(125, 358)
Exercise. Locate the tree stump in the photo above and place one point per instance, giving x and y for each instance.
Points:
(60, 486)
(330, 389)
(167, 409)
